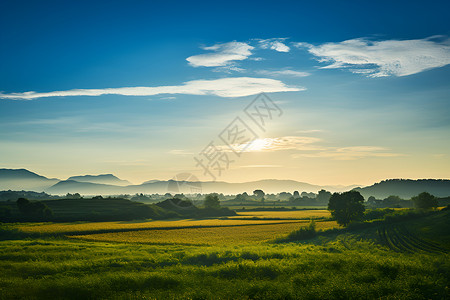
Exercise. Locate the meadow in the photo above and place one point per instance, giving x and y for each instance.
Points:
(219, 235)
(226, 259)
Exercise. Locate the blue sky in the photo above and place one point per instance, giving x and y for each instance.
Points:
(364, 88)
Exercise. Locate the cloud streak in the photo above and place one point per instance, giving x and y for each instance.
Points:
(384, 58)
(351, 153)
(224, 87)
(291, 73)
(309, 147)
(221, 55)
(274, 44)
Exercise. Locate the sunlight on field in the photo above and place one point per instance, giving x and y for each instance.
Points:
(295, 214)
(45, 228)
(233, 235)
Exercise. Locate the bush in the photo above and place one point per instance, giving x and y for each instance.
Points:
(425, 200)
(374, 214)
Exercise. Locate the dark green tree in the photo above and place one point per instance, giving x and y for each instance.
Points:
(323, 196)
(212, 201)
(34, 210)
(425, 200)
(258, 194)
(346, 207)
(24, 205)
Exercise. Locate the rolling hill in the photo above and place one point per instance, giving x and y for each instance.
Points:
(406, 188)
(102, 179)
(22, 179)
(108, 184)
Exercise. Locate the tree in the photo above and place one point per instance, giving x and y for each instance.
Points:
(23, 205)
(296, 194)
(323, 196)
(258, 194)
(34, 210)
(425, 200)
(346, 207)
(212, 201)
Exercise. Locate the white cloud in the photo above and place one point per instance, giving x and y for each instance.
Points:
(224, 87)
(274, 44)
(222, 55)
(384, 58)
(284, 73)
(228, 69)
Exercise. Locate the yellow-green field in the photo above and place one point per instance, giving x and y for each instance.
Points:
(294, 214)
(227, 259)
(90, 227)
(223, 235)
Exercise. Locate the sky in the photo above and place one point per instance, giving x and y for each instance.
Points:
(354, 92)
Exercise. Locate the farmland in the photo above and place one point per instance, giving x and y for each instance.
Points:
(241, 234)
(290, 214)
(226, 258)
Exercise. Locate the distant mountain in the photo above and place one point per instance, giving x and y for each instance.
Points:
(187, 187)
(108, 184)
(102, 179)
(267, 185)
(84, 188)
(152, 181)
(406, 188)
(21, 179)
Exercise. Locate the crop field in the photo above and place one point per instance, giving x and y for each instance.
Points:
(294, 214)
(222, 235)
(226, 259)
(92, 227)
(400, 239)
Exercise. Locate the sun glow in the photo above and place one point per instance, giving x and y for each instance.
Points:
(260, 145)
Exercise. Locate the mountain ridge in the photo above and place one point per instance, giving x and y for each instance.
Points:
(22, 179)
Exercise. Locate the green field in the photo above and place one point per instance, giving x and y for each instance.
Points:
(226, 259)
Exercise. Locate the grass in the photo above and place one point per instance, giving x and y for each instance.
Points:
(227, 262)
(93, 227)
(294, 214)
(73, 269)
(229, 235)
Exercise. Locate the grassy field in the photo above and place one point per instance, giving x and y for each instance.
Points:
(402, 260)
(96, 227)
(293, 214)
(222, 235)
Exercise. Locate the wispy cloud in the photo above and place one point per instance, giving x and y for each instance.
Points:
(221, 55)
(276, 44)
(284, 73)
(225, 55)
(278, 144)
(224, 87)
(351, 153)
(311, 147)
(384, 58)
(310, 131)
(261, 166)
(180, 152)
